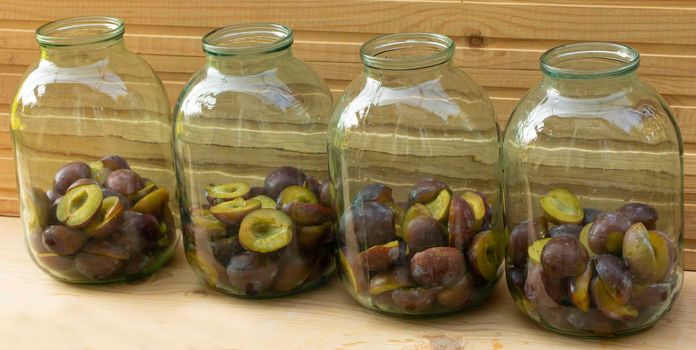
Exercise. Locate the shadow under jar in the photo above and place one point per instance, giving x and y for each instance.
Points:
(92, 139)
(250, 148)
(413, 161)
(593, 183)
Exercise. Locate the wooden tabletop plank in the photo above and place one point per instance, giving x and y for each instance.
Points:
(174, 310)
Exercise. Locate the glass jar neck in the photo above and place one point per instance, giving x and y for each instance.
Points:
(84, 52)
(248, 48)
(248, 64)
(590, 88)
(80, 39)
(407, 58)
(591, 69)
(391, 77)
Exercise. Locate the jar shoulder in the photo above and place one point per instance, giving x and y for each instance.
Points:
(636, 114)
(448, 98)
(291, 90)
(114, 81)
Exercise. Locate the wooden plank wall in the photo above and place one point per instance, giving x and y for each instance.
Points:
(498, 44)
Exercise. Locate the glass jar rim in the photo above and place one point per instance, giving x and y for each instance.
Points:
(437, 49)
(247, 39)
(80, 30)
(616, 59)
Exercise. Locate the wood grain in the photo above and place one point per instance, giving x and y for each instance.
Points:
(173, 309)
(498, 44)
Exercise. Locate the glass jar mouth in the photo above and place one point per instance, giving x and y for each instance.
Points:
(589, 60)
(405, 51)
(80, 30)
(247, 39)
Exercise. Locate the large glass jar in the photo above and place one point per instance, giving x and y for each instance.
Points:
(250, 148)
(413, 161)
(92, 139)
(593, 195)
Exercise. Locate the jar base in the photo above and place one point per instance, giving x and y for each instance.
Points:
(482, 297)
(162, 259)
(303, 288)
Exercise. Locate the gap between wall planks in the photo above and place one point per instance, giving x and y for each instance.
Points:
(498, 44)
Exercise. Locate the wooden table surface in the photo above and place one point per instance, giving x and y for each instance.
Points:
(173, 309)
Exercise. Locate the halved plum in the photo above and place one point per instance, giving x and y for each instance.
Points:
(36, 210)
(461, 223)
(579, 288)
(234, 211)
(221, 193)
(81, 182)
(380, 257)
(153, 202)
(585, 239)
(265, 231)
(296, 194)
(439, 207)
(425, 191)
(665, 254)
(638, 253)
(136, 196)
(615, 278)
(536, 248)
(310, 237)
(266, 202)
(399, 277)
(479, 206)
(205, 222)
(524, 234)
(562, 207)
(79, 206)
(355, 274)
(413, 212)
(484, 255)
(607, 232)
(107, 219)
(608, 305)
(99, 172)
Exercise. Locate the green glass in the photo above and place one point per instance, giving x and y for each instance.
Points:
(593, 161)
(250, 148)
(413, 159)
(87, 98)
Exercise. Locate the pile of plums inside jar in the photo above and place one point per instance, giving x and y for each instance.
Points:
(101, 221)
(263, 241)
(434, 254)
(584, 271)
